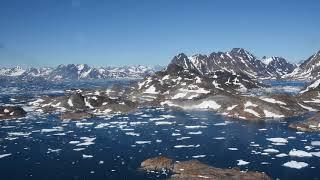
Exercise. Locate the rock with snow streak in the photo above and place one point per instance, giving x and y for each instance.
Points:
(11, 112)
(194, 169)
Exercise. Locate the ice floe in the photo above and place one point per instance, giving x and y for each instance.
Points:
(195, 132)
(143, 142)
(295, 164)
(281, 155)
(242, 162)
(270, 150)
(299, 153)
(278, 140)
(84, 156)
(132, 134)
(315, 143)
(182, 138)
(164, 123)
(195, 127)
(199, 156)
(5, 155)
(187, 146)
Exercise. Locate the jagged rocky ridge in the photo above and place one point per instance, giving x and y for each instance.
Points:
(237, 60)
(75, 72)
(308, 70)
(182, 86)
(194, 169)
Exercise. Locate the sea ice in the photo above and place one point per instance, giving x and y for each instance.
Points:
(4, 155)
(299, 153)
(295, 164)
(242, 162)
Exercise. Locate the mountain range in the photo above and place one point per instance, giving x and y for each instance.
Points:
(77, 72)
(238, 60)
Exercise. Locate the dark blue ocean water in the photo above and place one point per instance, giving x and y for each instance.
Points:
(44, 147)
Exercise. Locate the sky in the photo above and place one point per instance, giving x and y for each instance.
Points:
(151, 32)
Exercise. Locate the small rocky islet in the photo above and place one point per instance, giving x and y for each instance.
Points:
(194, 169)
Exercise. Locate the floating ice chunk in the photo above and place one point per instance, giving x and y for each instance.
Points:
(79, 124)
(143, 142)
(195, 127)
(317, 154)
(271, 150)
(222, 124)
(87, 141)
(308, 148)
(5, 155)
(84, 156)
(163, 123)
(18, 134)
(242, 162)
(79, 149)
(182, 138)
(53, 150)
(194, 133)
(219, 138)
(263, 129)
(51, 130)
(157, 119)
(74, 142)
(132, 134)
(175, 134)
(199, 156)
(233, 149)
(299, 153)
(281, 155)
(295, 164)
(102, 125)
(166, 116)
(186, 146)
(277, 140)
(315, 143)
(59, 134)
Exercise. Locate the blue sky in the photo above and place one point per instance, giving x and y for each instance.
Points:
(119, 32)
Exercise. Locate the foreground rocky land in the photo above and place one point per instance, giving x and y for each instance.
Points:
(194, 169)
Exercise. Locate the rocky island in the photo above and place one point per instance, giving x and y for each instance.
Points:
(218, 83)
